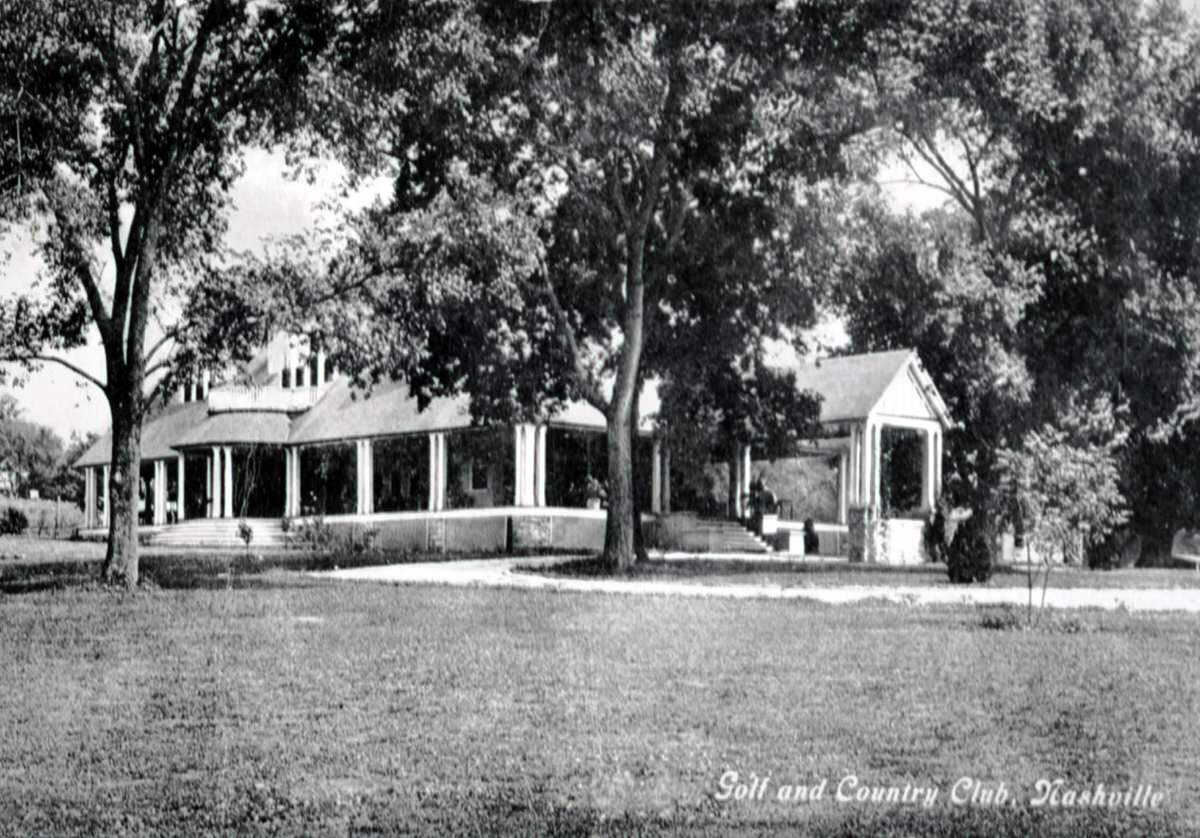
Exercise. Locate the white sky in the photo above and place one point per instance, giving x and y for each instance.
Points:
(266, 204)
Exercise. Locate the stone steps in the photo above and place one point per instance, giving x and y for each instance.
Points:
(714, 535)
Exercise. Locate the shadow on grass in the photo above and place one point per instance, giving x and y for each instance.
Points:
(697, 566)
(199, 570)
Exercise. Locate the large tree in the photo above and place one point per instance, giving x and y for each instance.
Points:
(124, 123)
(1066, 135)
(537, 238)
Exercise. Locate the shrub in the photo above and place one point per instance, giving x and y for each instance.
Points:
(937, 535)
(969, 558)
(314, 534)
(13, 521)
(357, 540)
(812, 542)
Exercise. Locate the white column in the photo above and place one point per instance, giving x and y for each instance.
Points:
(287, 483)
(205, 383)
(876, 464)
(525, 466)
(369, 445)
(89, 500)
(656, 485)
(744, 489)
(437, 472)
(227, 474)
(210, 484)
(928, 449)
(319, 380)
(180, 496)
(843, 487)
(294, 498)
(741, 480)
(868, 461)
(363, 469)
(938, 457)
(539, 486)
(158, 501)
(666, 479)
(107, 495)
(856, 458)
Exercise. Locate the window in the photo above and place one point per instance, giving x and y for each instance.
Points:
(479, 476)
(287, 378)
(312, 370)
(299, 376)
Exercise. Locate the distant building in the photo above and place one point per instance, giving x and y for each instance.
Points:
(297, 442)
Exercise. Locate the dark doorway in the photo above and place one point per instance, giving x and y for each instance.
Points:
(258, 481)
(327, 479)
(195, 486)
(401, 476)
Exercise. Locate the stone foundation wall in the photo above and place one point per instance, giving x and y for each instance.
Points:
(877, 540)
(532, 531)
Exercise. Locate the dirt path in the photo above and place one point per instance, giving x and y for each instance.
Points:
(499, 573)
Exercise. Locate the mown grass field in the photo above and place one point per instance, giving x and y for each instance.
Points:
(47, 518)
(291, 706)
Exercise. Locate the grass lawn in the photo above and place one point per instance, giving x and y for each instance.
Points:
(295, 706)
(806, 574)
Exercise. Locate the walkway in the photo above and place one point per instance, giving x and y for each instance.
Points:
(500, 573)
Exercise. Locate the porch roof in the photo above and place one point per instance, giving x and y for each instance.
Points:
(237, 427)
(159, 434)
(388, 410)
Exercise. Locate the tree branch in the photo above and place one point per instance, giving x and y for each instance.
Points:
(54, 359)
(592, 392)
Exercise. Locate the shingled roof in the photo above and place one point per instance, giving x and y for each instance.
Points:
(852, 386)
(159, 434)
(389, 409)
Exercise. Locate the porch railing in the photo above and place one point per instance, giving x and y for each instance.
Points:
(270, 399)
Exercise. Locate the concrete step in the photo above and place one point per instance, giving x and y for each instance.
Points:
(220, 532)
(715, 535)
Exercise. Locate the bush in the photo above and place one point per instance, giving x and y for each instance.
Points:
(357, 540)
(936, 536)
(812, 542)
(314, 534)
(13, 521)
(969, 558)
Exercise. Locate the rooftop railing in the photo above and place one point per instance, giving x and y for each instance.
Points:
(268, 399)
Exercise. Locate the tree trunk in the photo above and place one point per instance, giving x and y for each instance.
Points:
(636, 478)
(619, 550)
(121, 560)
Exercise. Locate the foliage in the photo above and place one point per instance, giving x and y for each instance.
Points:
(32, 457)
(312, 533)
(1067, 139)
(1062, 484)
(969, 558)
(130, 119)
(245, 533)
(935, 536)
(13, 521)
(357, 540)
(602, 198)
(812, 541)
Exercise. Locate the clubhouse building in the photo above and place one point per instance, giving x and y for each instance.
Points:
(297, 442)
